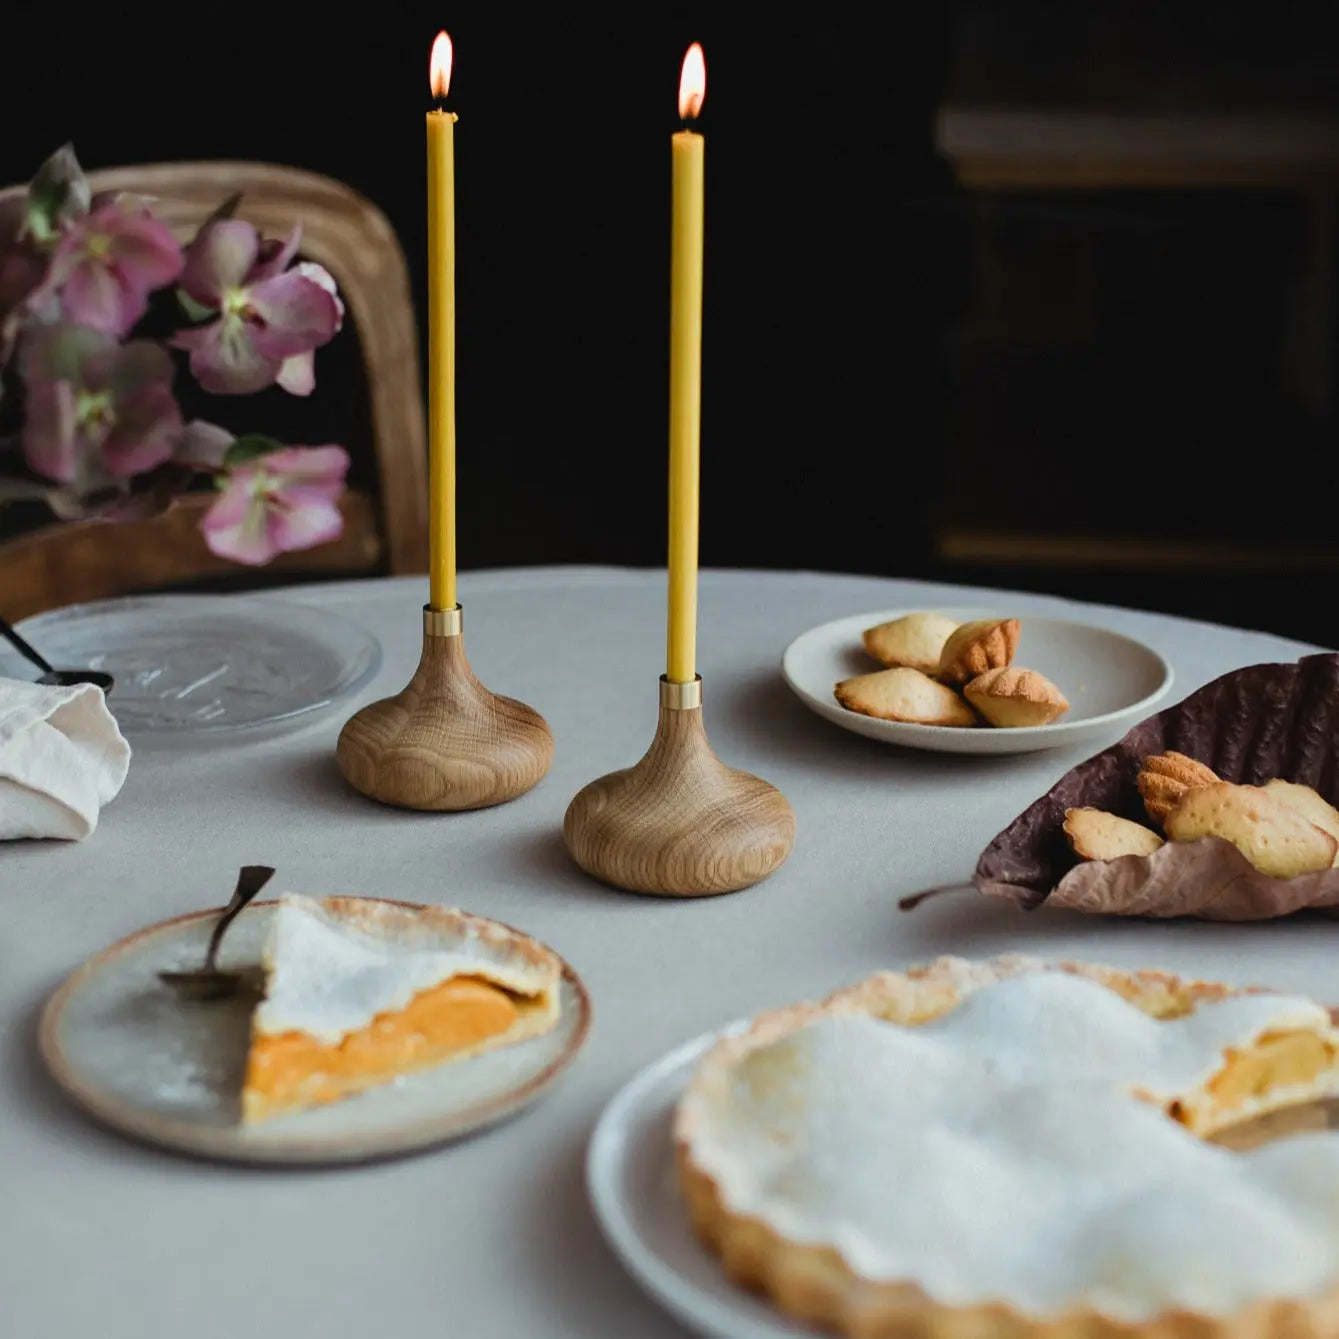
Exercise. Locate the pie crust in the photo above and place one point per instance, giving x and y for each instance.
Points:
(360, 992)
(812, 1279)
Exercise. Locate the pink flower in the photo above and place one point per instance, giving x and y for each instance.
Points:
(269, 318)
(97, 410)
(286, 499)
(107, 263)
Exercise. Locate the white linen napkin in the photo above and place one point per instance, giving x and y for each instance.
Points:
(62, 757)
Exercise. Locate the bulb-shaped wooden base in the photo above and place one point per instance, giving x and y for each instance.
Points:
(680, 823)
(446, 742)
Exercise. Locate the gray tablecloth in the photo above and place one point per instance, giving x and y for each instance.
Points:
(492, 1239)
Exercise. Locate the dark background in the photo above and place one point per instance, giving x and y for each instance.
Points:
(902, 375)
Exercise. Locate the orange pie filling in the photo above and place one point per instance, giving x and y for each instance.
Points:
(1275, 1063)
(291, 1069)
(1278, 1061)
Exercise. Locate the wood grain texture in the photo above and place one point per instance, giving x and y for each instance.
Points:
(354, 240)
(94, 560)
(446, 743)
(680, 823)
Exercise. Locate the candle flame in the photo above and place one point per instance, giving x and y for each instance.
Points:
(439, 65)
(692, 82)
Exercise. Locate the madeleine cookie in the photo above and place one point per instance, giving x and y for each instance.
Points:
(1013, 697)
(976, 647)
(1094, 834)
(1312, 806)
(1277, 840)
(904, 695)
(1164, 779)
(914, 641)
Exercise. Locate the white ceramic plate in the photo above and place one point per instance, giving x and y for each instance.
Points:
(133, 1055)
(1111, 681)
(187, 665)
(634, 1189)
(633, 1186)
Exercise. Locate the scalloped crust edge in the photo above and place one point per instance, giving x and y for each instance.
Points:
(815, 1285)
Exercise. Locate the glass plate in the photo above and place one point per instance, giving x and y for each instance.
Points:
(193, 664)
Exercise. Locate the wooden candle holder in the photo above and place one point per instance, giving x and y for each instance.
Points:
(680, 823)
(446, 742)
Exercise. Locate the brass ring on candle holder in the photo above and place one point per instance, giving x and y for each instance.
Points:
(441, 622)
(680, 696)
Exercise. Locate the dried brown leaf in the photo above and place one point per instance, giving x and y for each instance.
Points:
(1250, 726)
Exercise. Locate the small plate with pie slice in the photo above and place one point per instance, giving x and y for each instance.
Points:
(1100, 682)
(370, 1029)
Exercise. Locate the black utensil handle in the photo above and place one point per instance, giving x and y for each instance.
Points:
(29, 653)
(250, 881)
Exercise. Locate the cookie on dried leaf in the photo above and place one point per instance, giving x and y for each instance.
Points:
(1277, 840)
(1014, 698)
(1094, 834)
(974, 648)
(1315, 808)
(914, 641)
(1165, 777)
(904, 695)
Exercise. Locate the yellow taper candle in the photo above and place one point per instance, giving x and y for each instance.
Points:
(441, 335)
(685, 412)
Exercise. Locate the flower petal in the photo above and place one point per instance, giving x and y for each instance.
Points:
(60, 352)
(297, 375)
(225, 360)
(146, 255)
(293, 314)
(139, 364)
(274, 256)
(234, 526)
(220, 258)
(318, 274)
(305, 525)
(247, 542)
(320, 470)
(50, 433)
(204, 444)
(235, 500)
(92, 295)
(146, 432)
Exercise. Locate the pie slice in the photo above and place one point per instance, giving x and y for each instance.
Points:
(359, 992)
(1016, 1148)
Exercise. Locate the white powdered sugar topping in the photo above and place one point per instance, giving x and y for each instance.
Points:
(999, 1154)
(326, 978)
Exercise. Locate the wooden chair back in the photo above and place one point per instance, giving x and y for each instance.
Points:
(354, 240)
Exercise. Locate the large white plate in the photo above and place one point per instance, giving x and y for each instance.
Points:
(633, 1186)
(168, 1072)
(634, 1189)
(1111, 681)
(187, 665)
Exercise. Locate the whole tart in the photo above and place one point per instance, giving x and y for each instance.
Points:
(360, 992)
(1015, 1147)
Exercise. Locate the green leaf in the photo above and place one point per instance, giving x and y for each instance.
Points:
(195, 311)
(250, 447)
(57, 193)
